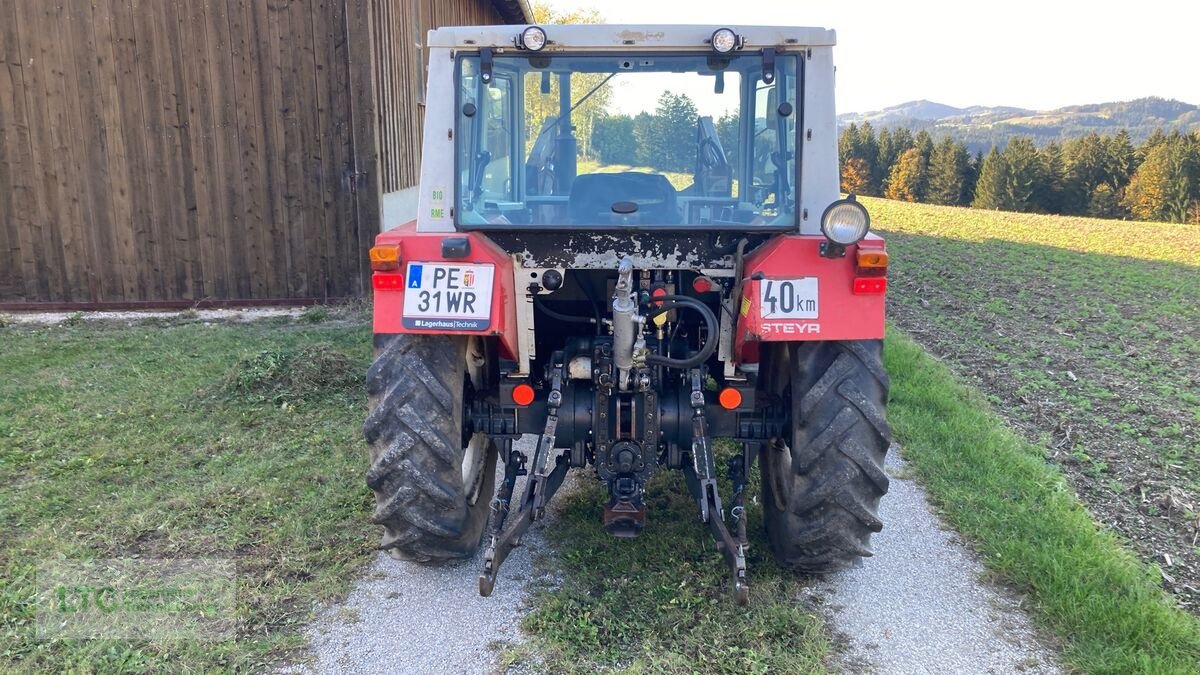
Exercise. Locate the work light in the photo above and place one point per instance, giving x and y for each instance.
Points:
(845, 222)
(724, 40)
(532, 38)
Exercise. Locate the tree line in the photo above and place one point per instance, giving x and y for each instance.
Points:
(1104, 176)
(664, 139)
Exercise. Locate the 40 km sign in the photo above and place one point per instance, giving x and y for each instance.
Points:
(440, 296)
(788, 298)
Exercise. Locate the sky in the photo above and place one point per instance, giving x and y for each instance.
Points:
(1030, 54)
(635, 93)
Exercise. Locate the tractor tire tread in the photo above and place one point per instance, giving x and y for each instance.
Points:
(415, 386)
(839, 441)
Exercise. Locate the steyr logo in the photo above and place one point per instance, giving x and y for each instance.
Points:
(794, 328)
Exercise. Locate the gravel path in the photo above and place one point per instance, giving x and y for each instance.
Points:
(409, 618)
(919, 605)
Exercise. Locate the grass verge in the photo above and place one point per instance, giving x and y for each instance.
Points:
(236, 441)
(662, 602)
(998, 490)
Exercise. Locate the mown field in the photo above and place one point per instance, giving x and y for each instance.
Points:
(1085, 335)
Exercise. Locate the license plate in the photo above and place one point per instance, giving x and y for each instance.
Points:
(448, 297)
(788, 298)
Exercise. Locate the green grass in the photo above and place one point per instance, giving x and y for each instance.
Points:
(1019, 512)
(662, 602)
(181, 440)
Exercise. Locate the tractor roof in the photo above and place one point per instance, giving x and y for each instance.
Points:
(629, 37)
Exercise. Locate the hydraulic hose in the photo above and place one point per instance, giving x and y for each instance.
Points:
(671, 302)
(541, 306)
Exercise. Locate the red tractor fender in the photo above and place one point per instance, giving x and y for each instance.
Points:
(427, 247)
(848, 302)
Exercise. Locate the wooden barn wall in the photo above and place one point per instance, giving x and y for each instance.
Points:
(185, 150)
(400, 56)
(178, 151)
(159, 150)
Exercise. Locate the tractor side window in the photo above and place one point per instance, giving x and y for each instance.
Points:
(773, 159)
(486, 154)
(497, 179)
(467, 145)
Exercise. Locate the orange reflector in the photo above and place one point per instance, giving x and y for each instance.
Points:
(729, 398)
(385, 257)
(871, 262)
(872, 257)
(869, 285)
(522, 394)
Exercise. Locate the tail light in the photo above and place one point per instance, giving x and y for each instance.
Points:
(871, 262)
(870, 271)
(869, 285)
(385, 257)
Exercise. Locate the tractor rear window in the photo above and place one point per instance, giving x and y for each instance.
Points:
(553, 141)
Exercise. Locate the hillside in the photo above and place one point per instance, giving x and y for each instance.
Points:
(982, 126)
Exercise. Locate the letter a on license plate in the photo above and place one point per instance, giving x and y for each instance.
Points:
(441, 296)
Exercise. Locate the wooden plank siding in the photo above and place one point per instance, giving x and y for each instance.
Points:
(400, 29)
(174, 151)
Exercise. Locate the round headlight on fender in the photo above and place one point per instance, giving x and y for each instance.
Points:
(845, 222)
(532, 38)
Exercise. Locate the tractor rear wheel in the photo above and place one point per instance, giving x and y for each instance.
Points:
(433, 484)
(822, 483)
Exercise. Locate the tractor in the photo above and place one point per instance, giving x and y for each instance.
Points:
(630, 241)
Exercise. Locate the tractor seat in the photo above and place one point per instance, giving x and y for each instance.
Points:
(593, 195)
